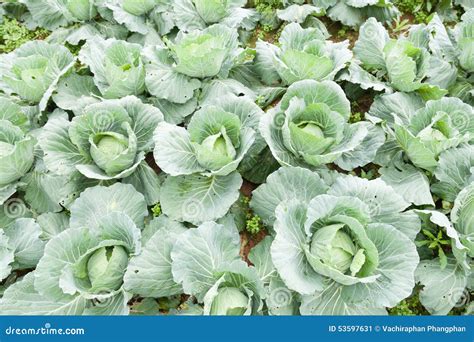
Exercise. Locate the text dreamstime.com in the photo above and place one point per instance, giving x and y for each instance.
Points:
(45, 330)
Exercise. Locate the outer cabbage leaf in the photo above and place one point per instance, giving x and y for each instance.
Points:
(200, 253)
(465, 40)
(52, 14)
(22, 298)
(385, 205)
(353, 13)
(369, 47)
(397, 107)
(283, 185)
(163, 81)
(299, 13)
(440, 297)
(197, 198)
(149, 274)
(130, 13)
(462, 217)
(408, 181)
(100, 201)
(76, 92)
(455, 170)
(330, 301)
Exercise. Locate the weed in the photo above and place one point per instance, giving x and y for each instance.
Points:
(14, 34)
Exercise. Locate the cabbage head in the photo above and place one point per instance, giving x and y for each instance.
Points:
(109, 141)
(387, 64)
(310, 127)
(440, 125)
(33, 70)
(337, 248)
(229, 301)
(215, 141)
(236, 293)
(202, 159)
(81, 271)
(117, 67)
(175, 72)
(16, 147)
(302, 54)
(218, 278)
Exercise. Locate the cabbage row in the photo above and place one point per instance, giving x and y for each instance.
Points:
(213, 157)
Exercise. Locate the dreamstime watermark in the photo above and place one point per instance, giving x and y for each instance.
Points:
(461, 119)
(192, 209)
(103, 120)
(369, 32)
(279, 116)
(14, 208)
(278, 120)
(280, 297)
(47, 329)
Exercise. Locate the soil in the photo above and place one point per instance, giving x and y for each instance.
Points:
(150, 160)
(248, 241)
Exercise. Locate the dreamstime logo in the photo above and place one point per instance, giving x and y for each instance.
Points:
(103, 120)
(459, 297)
(280, 297)
(47, 329)
(369, 32)
(192, 209)
(460, 119)
(278, 120)
(14, 208)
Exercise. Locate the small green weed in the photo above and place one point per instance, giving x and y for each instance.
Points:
(14, 34)
(156, 210)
